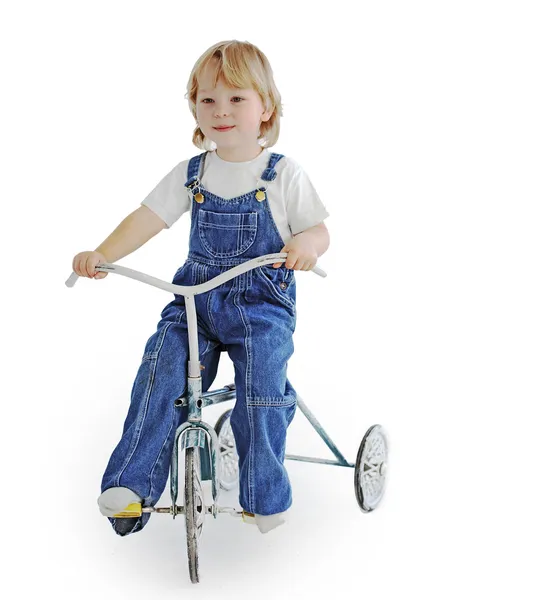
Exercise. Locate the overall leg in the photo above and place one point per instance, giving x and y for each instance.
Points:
(260, 345)
(141, 459)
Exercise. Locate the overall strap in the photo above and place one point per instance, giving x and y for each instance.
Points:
(269, 174)
(194, 166)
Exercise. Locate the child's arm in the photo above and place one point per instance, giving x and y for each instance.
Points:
(305, 248)
(134, 231)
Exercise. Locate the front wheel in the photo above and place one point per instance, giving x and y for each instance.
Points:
(194, 509)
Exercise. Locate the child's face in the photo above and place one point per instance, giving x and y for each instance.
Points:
(242, 109)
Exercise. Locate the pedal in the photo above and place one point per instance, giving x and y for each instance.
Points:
(134, 509)
(248, 518)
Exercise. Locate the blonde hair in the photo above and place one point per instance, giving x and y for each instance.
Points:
(239, 65)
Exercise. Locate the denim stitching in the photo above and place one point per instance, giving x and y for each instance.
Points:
(203, 276)
(273, 401)
(225, 262)
(145, 403)
(244, 243)
(212, 321)
(269, 212)
(241, 232)
(250, 462)
(148, 499)
(237, 227)
(276, 294)
(247, 346)
(152, 472)
(240, 250)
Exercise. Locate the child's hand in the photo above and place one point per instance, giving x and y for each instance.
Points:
(302, 255)
(84, 264)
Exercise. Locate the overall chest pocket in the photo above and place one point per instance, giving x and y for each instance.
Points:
(226, 234)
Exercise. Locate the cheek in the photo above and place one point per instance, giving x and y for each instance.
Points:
(202, 111)
(249, 119)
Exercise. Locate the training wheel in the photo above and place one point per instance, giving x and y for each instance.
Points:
(370, 468)
(229, 471)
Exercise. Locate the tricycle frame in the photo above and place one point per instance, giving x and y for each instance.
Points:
(371, 462)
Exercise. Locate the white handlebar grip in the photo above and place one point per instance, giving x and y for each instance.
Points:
(72, 279)
(319, 271)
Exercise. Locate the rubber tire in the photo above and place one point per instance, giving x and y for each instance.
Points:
(358, 489)
(189, 500)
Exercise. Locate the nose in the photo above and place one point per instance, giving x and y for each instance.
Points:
(221, 110)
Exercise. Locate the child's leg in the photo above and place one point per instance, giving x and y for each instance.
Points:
(260, 434)
(141, 460)
(265, 406)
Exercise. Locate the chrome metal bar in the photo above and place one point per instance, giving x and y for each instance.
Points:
(212, 397)
(322, 461)
(194, 369)
(168, 510)
(314, 422)
(231, 387)
(222, 397)
(210, 509)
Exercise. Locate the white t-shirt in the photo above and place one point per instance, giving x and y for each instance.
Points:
(294, 203)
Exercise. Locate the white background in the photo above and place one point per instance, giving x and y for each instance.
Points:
(426, 128)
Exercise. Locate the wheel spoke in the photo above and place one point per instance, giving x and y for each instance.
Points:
(371, 487)
(370, 468)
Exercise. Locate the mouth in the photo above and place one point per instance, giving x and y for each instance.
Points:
(224, 128)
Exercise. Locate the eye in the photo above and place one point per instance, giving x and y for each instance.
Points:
(205, 100)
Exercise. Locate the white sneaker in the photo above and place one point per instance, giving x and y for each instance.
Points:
(116, 499)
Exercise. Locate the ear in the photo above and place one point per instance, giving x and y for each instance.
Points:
(266, 115)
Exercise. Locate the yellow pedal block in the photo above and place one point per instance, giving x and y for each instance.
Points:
(248, 518)
(134, 509)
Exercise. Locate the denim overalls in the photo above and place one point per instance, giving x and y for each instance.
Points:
(252, 317)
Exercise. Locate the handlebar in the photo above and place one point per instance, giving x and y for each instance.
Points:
(192, 290)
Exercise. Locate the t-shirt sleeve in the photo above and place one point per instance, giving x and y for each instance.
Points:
(303, 204)
(169, 199)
